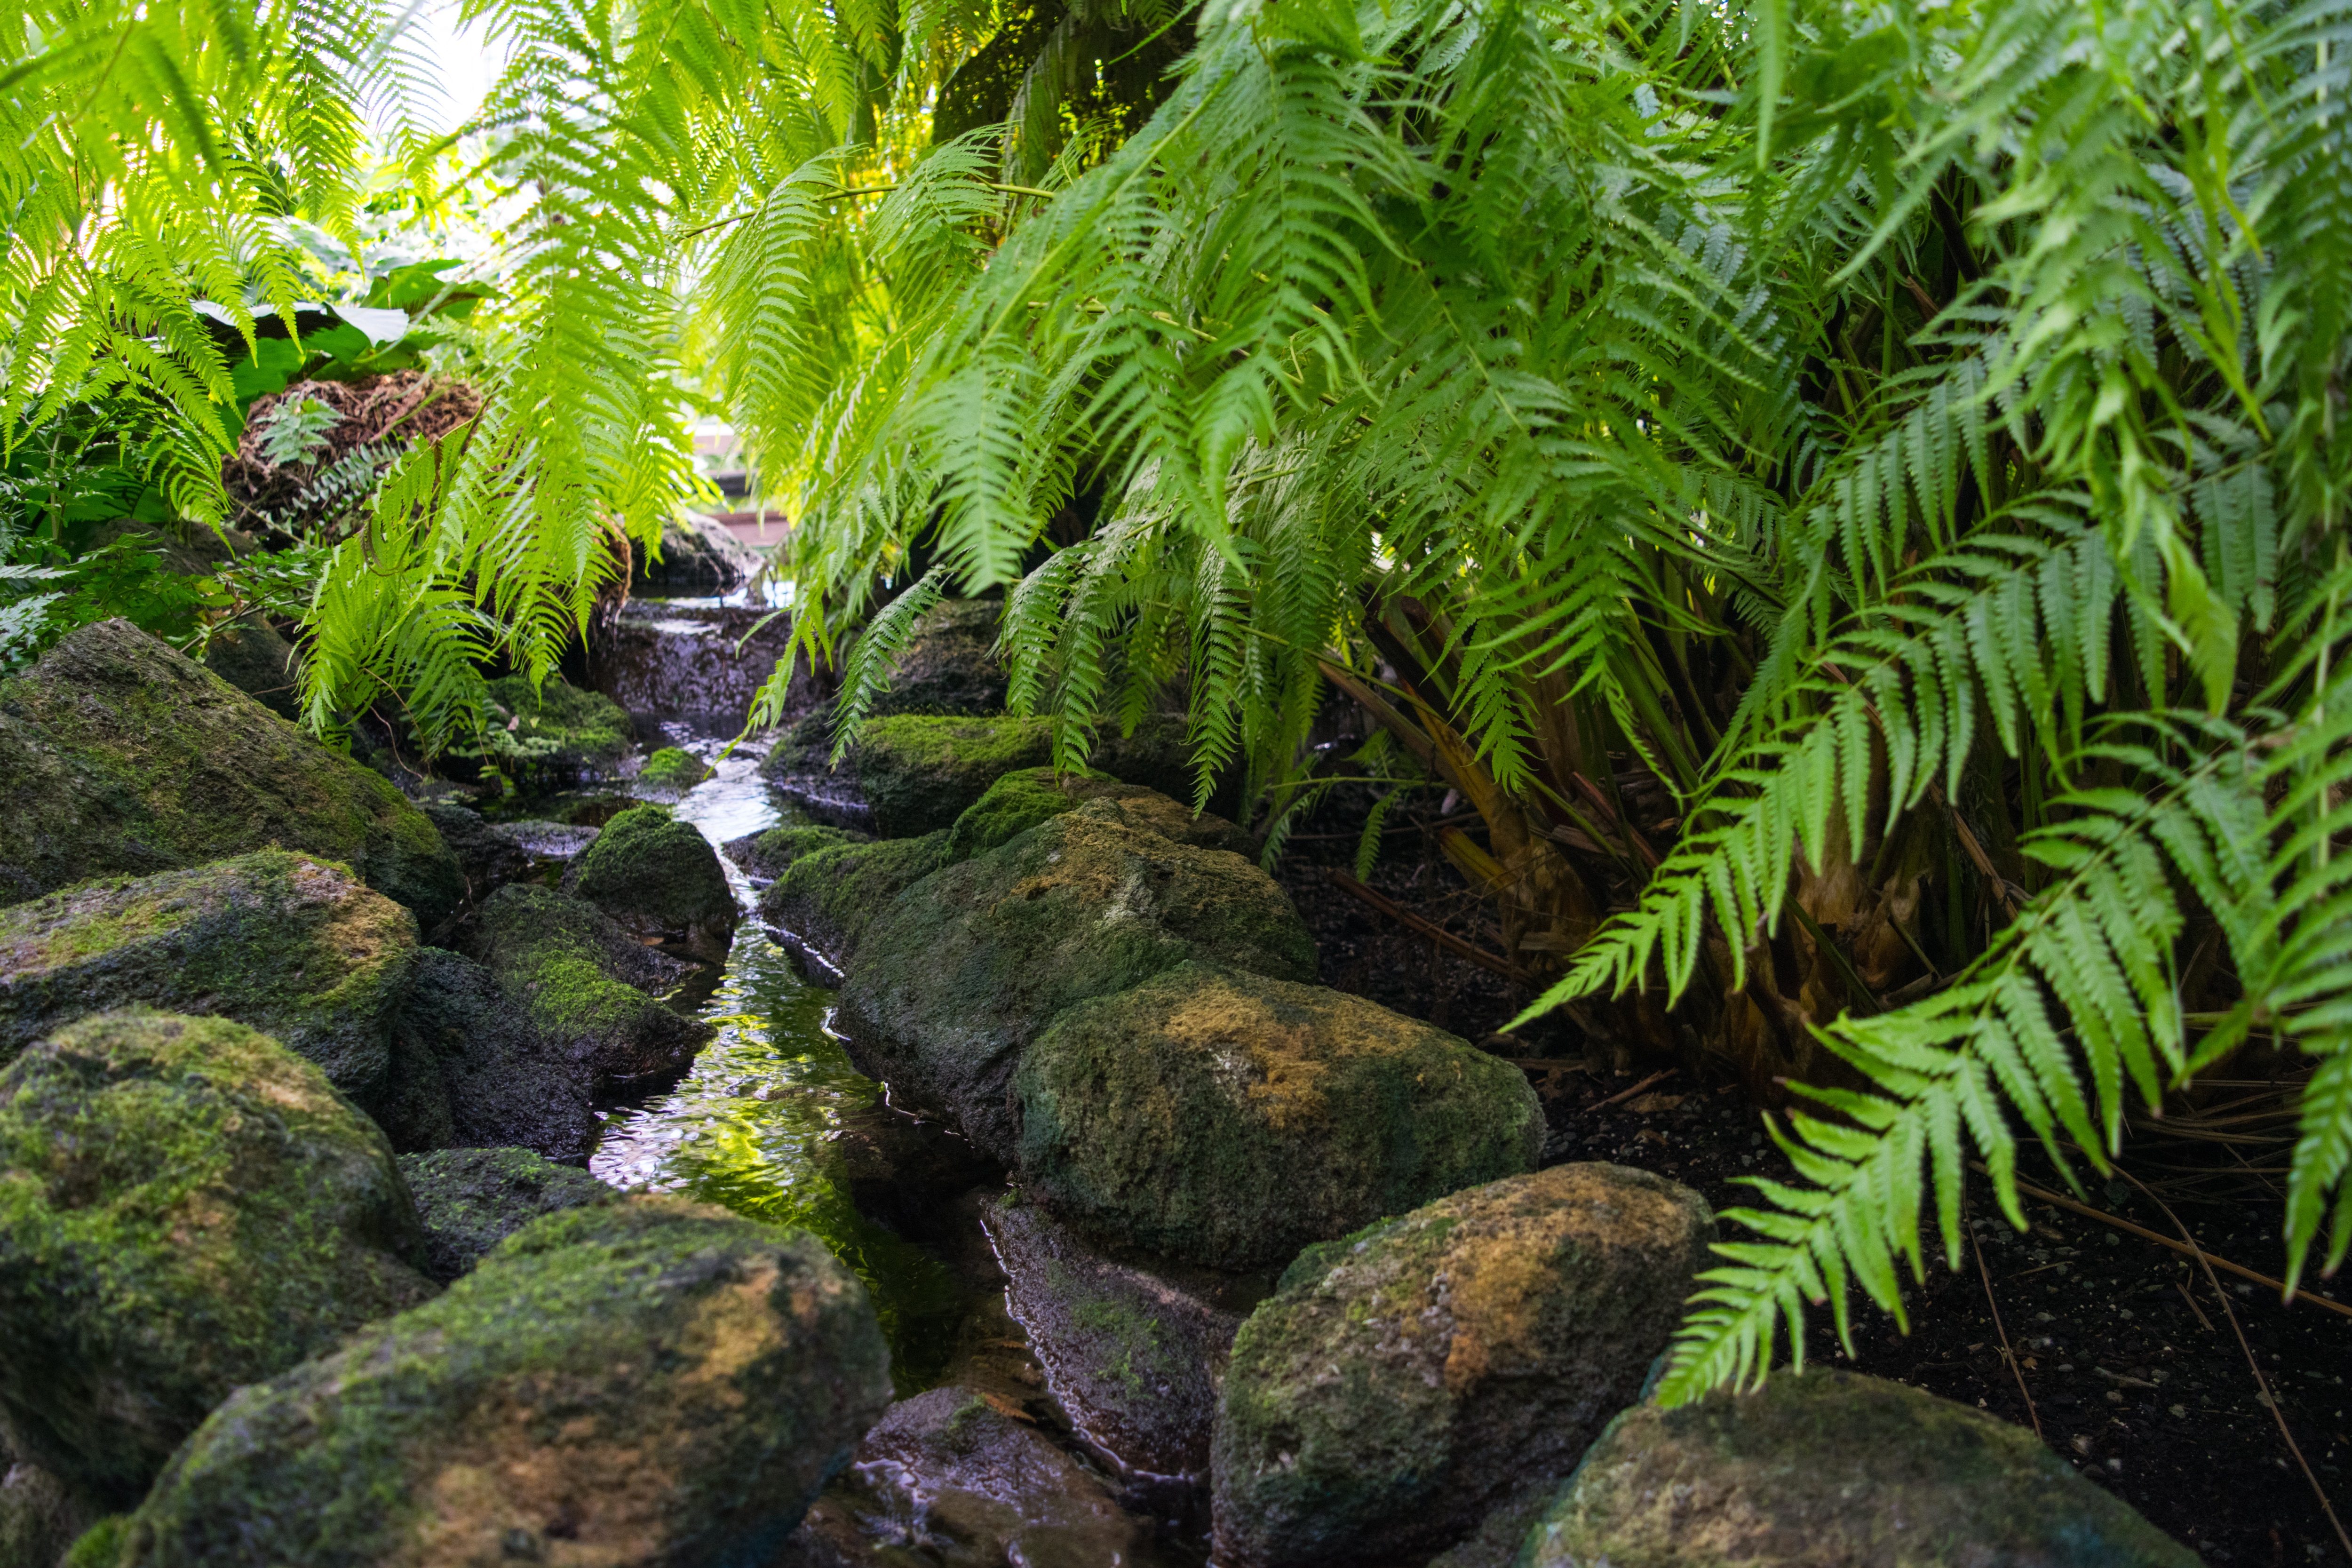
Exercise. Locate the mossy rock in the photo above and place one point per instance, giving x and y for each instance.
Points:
(470, 1071)
(919, 773)
(1827, 1468)
(645, 1382)
(185, 1206)
(258, 662)
(575, 734)
(1405, 1380)
(1131, 1351)
(40, 1516)
(767, 854)
(488, 858)
(120, 756)
(590, 987)
(976, 1486)
(658, 877)
(469, 1200)
(1019, 801)
(826, 899)
(671, 773)
(1226, 1119)
(955, 977)
(287, 943)
(949, 666)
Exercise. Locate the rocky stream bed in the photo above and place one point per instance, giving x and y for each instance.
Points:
(710, 1157)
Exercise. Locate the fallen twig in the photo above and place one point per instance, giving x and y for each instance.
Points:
(1629, 1093)
(1436, 934)
(2007, 1354)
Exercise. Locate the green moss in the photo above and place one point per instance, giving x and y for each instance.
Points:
(672, 771)
(1229, 1119)
(471, 1199)
(645, 1381)
(119, 755)
(102, 1546)
(573, 732)
(828, 896)
(770, 854)
(920, 773)
(659, 877)
(950, 984)
(1020, 800)
(587, 984)
(288, 944)
(185, 1206)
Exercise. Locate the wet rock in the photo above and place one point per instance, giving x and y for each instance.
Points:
(185, 1206)
(660, 878)
(544, 842)
(1831, 1469)
(919, 773)
(1227, 1120)
(695, 552)
(590, 987)
(255, 659)
(826, 901)
(1496, 1542)
(1020, 801)
(469, 1200)
(1132, 1353)
(946, 1478)
(1402, 1380)
(120, 757)
(470, 1071)
(951, 982)
(642, 1382)
(285, 944)
(765, 855)
(40, 1516)
(557, 733)
(707, 662)
(671, 773)
(488, 858)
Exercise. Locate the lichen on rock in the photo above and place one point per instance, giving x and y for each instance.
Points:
(288, 944)
(469, 1200)
(120, 756)
(590, 987)
(1404, 1379)
(919, 773)
(650, 1380)
(1227, 1120)
(660, 878)
(1827, 1468)
(954, 978)
(185, 1206)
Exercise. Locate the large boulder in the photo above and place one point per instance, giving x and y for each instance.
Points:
(1401, 1381)
(1019, 801)
(121, 757)
(557, 733)
(956, 977)
(1831, 1469)
(946, 1478)
(258, 662)
(669, 774)
(660, 878)
(825, 900)
(185, 1206)
(949, 666)
(647, 1381)
(287, 943)
(917, 773)
(590, 987)
(1224, 1118)
(769, 853)
(469, 1200)
(471, 1070)
(488, 859)
(1132, 1353)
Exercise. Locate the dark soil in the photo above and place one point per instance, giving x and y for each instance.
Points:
(2134, 1372)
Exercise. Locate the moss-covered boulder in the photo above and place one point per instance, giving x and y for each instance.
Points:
(469, 1200)
(470, 1071)
(488, 859)
(919, 773)
(258, 662)
(825, 900)
(1403, 1381)
(946, 1478)
(1018, 802)
(646, 1381)
(292, 945)
(559, 730)
(671, 773)
(120, 756)
(185, 1206)
(660, 878)
(1227, 1120)
(1830, 1470)
(767, 854)
(590, 987)
(1132, 1351)
(954, 978)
